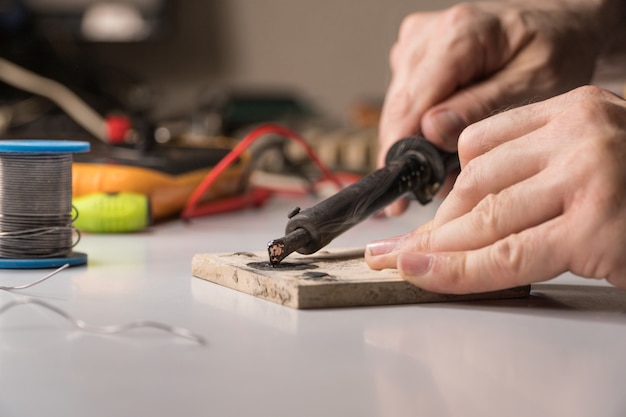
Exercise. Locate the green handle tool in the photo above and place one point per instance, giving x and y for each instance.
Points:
(112, 212)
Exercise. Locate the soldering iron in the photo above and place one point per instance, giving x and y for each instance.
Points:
(413, 165)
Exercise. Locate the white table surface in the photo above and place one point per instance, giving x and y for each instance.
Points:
(559, 352)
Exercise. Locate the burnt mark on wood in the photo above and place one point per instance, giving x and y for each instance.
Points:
(318, 276)
(284, 266)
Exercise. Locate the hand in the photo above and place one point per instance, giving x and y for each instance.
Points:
(455, 67)
(542, 191)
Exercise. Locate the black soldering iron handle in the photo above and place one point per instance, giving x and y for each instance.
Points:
(413, 165)
(438, 162)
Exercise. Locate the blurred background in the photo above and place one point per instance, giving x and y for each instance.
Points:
(332, 53)
(145, 79)
(169, 56)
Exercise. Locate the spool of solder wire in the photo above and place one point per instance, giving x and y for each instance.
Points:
(36, 215)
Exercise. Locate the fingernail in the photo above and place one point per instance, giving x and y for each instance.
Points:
(449, 124)
(381, 247)
(414, 264)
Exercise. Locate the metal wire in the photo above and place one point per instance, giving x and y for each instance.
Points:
(106, 330)
(36, 205)
(110, 329)
(36, 216)
(32, 284)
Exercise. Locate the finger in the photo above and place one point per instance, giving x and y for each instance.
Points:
(379, 254)
(531, 256)
(485, 135)
(406, 102)
(402, 109)
(444, 123)
(509, 86)
(462, 46)
(491, 173)
(521, 206)
(417, 87)
(426, 78)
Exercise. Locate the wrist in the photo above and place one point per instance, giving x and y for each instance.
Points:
(597, 24)
(603, 21)
(609, 18)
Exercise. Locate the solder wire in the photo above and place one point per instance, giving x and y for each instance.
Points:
(36, 205)
(106, 329)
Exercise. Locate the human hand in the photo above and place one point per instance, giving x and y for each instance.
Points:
(542, 191)
(457, 66)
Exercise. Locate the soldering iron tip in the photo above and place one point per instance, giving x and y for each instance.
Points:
(276, 251)
(279, 249)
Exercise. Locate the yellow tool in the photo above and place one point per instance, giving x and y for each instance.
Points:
(112, 213)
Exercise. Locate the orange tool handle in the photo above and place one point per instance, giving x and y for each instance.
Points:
(167, 193)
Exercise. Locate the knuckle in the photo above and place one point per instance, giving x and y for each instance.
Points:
(410, 29)
(460, 14)
(420, 241)
(604, 259)
(451, 273)
(409, 25)
(595, 267)
(590, 111)
(485, 213)
(508, 259)
(469, 176)
(592, 127)
(594, 263)
(587, 92)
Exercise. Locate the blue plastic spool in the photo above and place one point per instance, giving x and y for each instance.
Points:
(36, 146)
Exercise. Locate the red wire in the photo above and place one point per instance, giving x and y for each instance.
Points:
(193, 208)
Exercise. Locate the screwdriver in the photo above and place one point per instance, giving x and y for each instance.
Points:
(412, 166)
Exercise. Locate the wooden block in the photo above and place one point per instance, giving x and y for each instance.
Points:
(338, 278)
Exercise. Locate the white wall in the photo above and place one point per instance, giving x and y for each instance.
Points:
(333, 51)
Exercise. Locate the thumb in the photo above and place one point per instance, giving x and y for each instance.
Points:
(444, 123)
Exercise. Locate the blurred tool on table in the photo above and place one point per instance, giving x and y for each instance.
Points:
(65, 93)
(112, 212)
